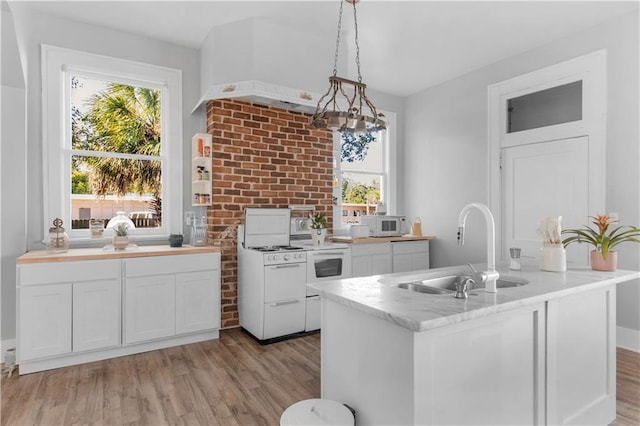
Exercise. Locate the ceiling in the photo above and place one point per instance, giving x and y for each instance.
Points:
(420, 43)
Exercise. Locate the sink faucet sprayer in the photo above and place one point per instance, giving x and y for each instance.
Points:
(490, 276)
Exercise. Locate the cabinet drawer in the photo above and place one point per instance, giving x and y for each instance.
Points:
(68, 272)
(370, 249)
(282, 318)
(405, 247)
(158, 265)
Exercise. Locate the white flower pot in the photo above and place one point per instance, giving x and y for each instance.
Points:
(120, 243)
(318, 236)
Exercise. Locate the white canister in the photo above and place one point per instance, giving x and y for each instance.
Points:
(554, 258)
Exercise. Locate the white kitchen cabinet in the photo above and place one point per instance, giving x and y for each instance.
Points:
(149, 308)
(96, 314)
(165, 296)
(581, 360)
(73, 308)
(370, 259)
(410, 255)
(197, 303)
(56, 313)
(44, 324)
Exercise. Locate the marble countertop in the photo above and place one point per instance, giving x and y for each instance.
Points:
(378, 296)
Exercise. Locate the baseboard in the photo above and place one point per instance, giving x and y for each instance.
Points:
(6, 344)
(628, 338)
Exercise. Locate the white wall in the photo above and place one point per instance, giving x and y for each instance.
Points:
(445, 152)
(13, 175)
(33, 30)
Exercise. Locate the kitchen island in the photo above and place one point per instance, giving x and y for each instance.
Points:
(541, 353)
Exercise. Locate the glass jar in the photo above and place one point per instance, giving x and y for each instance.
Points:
(58, 239)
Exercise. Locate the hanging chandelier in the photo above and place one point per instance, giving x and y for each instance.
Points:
(342, 108)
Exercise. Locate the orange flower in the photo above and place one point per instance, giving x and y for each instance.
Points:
(602, 221)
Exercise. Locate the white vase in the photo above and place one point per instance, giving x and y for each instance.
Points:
(318, 236)
(554, 258)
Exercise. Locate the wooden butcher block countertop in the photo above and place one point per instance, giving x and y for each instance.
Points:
(369, 240)
(41, 256)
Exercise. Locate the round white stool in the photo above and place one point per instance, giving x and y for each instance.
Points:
(317, 412)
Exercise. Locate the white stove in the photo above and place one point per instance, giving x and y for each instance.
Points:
(276, 260)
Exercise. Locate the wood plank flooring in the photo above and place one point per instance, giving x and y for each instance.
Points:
(230, 381)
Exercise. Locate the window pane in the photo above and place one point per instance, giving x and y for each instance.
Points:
(114, 117)
(372, 161)
(360, 195)
(561, 104)
(100, 187)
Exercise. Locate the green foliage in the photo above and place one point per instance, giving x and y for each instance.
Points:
(123, 119)
(359, 193)
(600, 239)
(79, 183)
(355, 146)
(318, 221)
(121, 230)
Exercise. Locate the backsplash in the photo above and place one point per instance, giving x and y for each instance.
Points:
(263, 156)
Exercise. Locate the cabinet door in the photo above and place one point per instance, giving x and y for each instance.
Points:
(361, 266)
(149, 308)
(44, 321)
(402, 262)
(197, 301)
(380, 264)
(96, 314)
(581, 358)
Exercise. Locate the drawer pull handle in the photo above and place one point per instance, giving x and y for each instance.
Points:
(291, 265)
(285, 302)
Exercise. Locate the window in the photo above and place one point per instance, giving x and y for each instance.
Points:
(112, 142)
(364, 178)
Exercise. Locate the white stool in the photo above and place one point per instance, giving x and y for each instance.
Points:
(317, 412)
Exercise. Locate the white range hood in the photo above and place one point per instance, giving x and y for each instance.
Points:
(265, 94)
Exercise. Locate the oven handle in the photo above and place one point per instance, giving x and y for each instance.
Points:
(284, 302)
(289, 265)
(330, 253)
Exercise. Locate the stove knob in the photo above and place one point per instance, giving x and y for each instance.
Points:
(270, 257)
(286, 257)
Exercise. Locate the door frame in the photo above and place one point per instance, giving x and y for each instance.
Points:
(591, 69)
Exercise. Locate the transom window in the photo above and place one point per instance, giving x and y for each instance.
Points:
(112, 141)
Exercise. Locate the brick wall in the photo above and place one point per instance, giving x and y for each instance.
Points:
(262, 157)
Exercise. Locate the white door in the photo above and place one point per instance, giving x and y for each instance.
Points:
(149, 308)
(96, 314)
(540, 180)
(197, 301)
(45, 321)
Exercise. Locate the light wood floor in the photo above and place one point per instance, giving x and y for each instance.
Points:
(230, 381)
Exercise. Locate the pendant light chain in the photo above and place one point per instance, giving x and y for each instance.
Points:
(355, 25)
(335, 60)
(341, 108)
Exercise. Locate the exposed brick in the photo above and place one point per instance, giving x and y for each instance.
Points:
(263, 157)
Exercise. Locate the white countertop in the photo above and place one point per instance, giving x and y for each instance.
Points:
(377, 296)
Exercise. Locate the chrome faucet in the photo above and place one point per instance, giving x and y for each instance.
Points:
(490, 276)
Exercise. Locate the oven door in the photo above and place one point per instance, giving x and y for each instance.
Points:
(327, 265)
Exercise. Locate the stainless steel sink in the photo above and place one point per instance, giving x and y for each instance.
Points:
(421, 288)
(509, 281)
(447, 284)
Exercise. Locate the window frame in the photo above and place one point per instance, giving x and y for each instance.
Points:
(57, 66)
(388, 185)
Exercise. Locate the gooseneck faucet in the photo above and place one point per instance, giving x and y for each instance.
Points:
(490, 276)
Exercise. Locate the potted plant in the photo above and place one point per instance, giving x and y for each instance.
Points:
(121, 239)
(603, 257)
(318, 228)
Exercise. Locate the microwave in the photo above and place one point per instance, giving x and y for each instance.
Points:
(384, 226)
